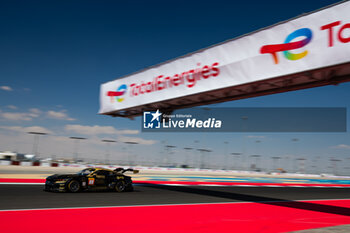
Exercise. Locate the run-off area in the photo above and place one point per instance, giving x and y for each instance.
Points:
(162, 208)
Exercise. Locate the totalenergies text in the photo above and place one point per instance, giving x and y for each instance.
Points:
(188, 78)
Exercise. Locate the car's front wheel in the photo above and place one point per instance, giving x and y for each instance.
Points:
(74, 186)
(120, 186)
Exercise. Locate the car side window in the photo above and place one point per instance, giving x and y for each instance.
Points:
(102, 173)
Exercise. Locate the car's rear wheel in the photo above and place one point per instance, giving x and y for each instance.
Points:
(120, 186)
(74, 186)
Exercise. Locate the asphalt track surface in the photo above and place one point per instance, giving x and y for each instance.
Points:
(20, 196)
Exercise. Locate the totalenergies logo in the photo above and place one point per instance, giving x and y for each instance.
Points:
(116, 95)
(185, 79)
(288, 45)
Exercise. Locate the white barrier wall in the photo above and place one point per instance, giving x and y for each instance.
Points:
(5, 162)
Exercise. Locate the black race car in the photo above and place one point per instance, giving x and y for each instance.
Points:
(91, 179)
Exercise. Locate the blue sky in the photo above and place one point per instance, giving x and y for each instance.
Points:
(55, 54)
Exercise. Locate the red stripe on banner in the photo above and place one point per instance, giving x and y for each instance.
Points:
(201, 218)
(115, 93)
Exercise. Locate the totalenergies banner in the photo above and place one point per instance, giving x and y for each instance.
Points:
(309, 42)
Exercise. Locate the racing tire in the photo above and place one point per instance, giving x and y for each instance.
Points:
(120, 186)
(73, 186)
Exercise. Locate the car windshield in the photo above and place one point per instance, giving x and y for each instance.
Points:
(86, 171)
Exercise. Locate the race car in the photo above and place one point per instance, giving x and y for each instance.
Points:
(91, 179)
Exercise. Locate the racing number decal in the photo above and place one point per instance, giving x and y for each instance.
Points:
(91, 181)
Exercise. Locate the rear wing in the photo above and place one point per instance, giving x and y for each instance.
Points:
(122, 170)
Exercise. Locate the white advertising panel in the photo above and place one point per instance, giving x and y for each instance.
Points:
(309, 42)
